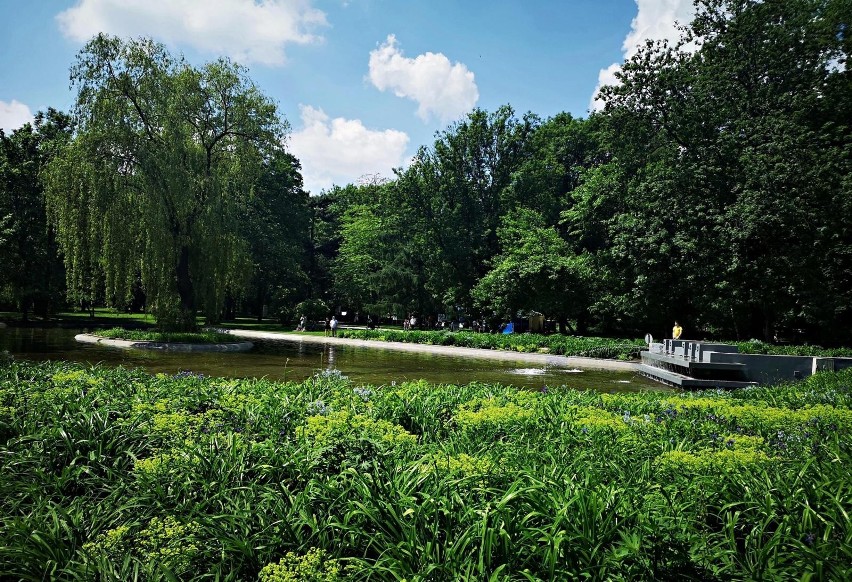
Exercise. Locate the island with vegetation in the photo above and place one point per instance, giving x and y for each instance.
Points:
(201, 341)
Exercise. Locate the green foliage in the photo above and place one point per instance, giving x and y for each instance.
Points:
(313, 309)
(158, 183)
(714, 189)
(32, 271)
(536, 270)
(760, 347)
(315, 566)
(729, 175)
(593, 347)
(205, 337)
(118, 474)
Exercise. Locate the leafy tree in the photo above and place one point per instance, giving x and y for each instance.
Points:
(454, 193)
(164, 163)
(31, 276)
(276, 224)
(731, 163)
(537, 270)
(383, 254)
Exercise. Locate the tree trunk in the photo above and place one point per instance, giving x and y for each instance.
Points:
(186, 315)
(261, 299)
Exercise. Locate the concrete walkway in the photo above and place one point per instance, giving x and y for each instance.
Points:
(503, 355)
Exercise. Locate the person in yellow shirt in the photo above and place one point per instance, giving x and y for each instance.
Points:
(676, 331)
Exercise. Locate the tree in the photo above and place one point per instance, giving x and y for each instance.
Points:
(732, 161)
(31, 276)
(536, 271)
(165, 160)
(276, 224)
(454, 195)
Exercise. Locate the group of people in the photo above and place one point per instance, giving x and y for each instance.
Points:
(409, 323)
(331, 325)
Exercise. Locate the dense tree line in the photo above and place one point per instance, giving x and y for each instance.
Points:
(31, 271)
(714, 188)
(169, 188)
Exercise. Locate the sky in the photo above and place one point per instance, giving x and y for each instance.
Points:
(363, 83)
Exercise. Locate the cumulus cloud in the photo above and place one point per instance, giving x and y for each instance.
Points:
(13, 115)
(249, 31)
(656, 20)
(442, 89)
(340, 151)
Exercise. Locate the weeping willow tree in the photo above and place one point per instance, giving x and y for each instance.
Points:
(156, 184)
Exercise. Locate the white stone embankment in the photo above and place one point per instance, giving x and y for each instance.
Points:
(166, 346)
(503, 355)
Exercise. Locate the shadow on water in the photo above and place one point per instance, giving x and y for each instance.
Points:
(296, 361)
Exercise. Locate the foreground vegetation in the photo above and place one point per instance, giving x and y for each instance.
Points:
(201, 337)
(117, 474)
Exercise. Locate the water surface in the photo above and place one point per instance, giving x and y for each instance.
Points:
(288, 360)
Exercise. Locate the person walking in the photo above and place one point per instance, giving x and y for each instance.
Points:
(303, 322)
(677, 330)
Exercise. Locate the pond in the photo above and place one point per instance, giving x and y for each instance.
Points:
(296, 361)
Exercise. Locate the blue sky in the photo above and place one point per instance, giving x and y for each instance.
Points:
(363, 83)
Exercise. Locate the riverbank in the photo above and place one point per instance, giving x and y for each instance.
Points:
(502, 355)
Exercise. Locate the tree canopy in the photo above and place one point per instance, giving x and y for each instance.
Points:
(713, 188)
(31, 276)
(166, 160)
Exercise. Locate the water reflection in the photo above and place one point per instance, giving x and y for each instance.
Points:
(329, 353)
(296, 361)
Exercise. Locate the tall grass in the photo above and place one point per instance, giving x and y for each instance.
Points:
(117, 475)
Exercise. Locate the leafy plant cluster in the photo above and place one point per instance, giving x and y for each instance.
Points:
(760, 347)
(117, 474)
(201, 337)
(596, 347)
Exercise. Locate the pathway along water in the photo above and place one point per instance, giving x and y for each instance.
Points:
(289, 360)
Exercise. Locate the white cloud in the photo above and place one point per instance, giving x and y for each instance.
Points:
(13, 115)
(340, 151)
(246, 30)
(441, 89)
(655, 19)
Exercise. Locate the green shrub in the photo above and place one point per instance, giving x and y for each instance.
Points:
(315, 566)
(203, 337)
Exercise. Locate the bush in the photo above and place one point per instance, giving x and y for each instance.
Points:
(592, 347)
